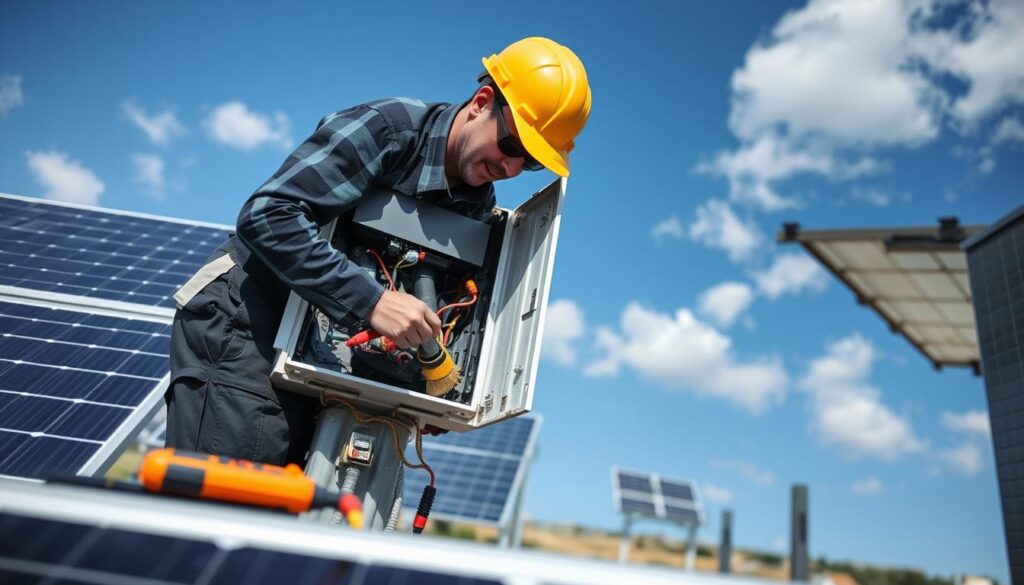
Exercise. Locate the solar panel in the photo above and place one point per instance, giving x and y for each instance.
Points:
(85, 297)
(71, 383)
(478, 473)
(649, 494)
(97, 253)
(72, 534)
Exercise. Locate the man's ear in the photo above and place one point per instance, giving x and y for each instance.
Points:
(482, 102)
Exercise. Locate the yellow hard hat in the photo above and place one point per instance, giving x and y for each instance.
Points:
(546, 89)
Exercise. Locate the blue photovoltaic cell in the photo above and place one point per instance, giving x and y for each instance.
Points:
(680, 491)
(65, 552)
(680, 514)
(99, 254)
(634, 482)
(634, 506)
(68, 381)
(475, 471)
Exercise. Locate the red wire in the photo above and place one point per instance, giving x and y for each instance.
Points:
(457, 305)
(383, 267)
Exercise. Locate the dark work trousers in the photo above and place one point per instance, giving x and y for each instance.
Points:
(220, 399)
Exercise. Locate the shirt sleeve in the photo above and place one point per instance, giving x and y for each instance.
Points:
(325, 176)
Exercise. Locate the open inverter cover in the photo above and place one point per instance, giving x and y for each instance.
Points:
(496, 343)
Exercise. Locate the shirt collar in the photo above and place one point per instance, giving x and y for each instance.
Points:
(432, 176)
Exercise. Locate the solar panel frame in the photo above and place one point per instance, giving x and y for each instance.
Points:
(456, 446)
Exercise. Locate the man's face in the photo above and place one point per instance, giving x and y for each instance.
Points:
(479, 158)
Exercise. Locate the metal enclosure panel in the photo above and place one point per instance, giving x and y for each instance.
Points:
(515, 319)
(435, 228)
(510, 350)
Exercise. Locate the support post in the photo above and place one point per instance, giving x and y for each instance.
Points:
(798, 553)
(691, 547)
(725, 547)
(624, 543)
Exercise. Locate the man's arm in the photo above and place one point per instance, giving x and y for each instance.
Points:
(325, 176)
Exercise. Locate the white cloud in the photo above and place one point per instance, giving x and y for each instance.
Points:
(769, 158)
(233, 124)
(725, 302)
(149, 172)
(563, 326)
(159, 128)
(668, 227)
(983, 51)
(838, 69)
(718, 227)
(837, 79)
(679, 351)
(971, 422)
(867, 487)
(967, 459)
(847, 411)
(1010, 129)
(875, 197)
(10, 93)
(65, 179)
(791, 274)
(746, 469)
(713, 493)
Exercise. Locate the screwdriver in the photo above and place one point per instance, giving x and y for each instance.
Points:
(213, 477)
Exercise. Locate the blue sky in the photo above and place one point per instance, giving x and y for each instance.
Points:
(681, 338)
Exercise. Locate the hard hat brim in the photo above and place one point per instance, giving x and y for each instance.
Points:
(539, 148)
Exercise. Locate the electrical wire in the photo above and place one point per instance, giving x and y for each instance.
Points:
(383, 267)
(391, 422)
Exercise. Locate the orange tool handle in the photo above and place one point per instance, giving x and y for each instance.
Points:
(244, 482)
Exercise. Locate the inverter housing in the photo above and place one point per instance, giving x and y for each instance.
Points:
(498, 352)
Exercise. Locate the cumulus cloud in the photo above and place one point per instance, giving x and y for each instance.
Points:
(1010, 129)
(233, 124)
(159, 128)
(11, 95)
(835, 80)
(668, 227)
(713, 493)
(717, 226)
(149, 172)
(847, 412)
(769, 158)
(563, 326)
(725, 302)
(746, 469)
(971, 422)
(679, 351)
(967, 459)
(867, 487)
(791, 273)
(65, 179)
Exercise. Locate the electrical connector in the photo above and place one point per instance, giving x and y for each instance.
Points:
(359, 449)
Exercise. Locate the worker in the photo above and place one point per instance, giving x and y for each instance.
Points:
(532, 101)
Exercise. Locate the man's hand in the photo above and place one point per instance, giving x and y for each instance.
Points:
(407, 320)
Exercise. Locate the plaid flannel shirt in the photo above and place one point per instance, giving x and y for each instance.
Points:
(397, 143)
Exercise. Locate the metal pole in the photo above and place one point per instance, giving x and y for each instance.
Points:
(377, 481)
(512, 533)
(798, 554)
(725, 548)
(624, 543)
(691, 547)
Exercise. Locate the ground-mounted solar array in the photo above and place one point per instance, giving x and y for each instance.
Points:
(650, 495)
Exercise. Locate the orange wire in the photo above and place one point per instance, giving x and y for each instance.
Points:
(383, 267)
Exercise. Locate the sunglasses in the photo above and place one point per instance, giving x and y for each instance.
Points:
(508, 144)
